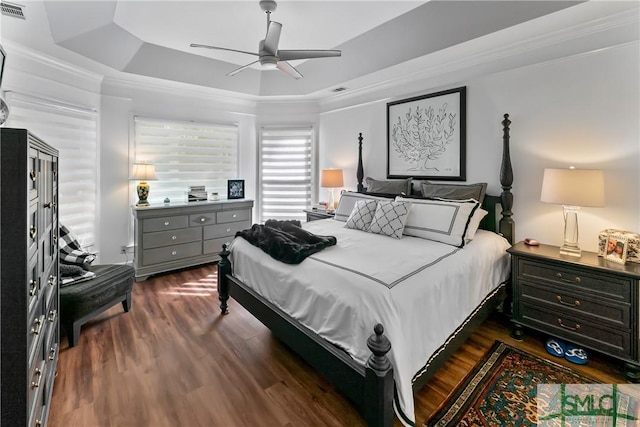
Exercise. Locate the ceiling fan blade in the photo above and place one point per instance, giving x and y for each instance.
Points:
(289, 69)
(272, 38)
(222, 48)
(289, 55)
(237, 70)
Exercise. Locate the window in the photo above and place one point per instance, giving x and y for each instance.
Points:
(73, 131)
(285, 172)
(186, 154)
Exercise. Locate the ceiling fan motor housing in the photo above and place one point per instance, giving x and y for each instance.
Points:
(268, 5)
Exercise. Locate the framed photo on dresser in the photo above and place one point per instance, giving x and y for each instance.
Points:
(616, 248)
(235, 189)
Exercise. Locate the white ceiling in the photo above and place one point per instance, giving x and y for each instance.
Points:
(151, 38)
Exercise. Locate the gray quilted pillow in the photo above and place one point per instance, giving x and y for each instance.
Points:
(362, 215)
(390, 218)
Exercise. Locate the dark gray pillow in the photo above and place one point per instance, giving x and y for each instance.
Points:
(396, 186)
(455, 191)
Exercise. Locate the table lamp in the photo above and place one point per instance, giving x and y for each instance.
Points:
(143, 172)
(572, 188)
(331, 179)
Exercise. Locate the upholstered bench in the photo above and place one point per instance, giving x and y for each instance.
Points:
(83, 300)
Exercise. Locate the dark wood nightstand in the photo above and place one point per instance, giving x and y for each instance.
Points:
(316, 215)
(587, 301)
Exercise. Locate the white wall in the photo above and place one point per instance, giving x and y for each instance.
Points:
(580, 110)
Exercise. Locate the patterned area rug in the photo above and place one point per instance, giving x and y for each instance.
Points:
(501, 390)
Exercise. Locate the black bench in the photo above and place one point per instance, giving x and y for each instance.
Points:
(80, 301)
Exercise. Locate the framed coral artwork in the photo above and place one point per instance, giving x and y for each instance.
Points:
(426, 136)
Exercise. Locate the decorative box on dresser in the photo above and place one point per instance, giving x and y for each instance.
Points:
(29, 332)
(178, 235)
(588, 301)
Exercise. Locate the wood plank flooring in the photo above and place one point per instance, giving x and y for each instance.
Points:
(174, 361)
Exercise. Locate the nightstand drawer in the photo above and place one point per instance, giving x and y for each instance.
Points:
(567, 300)
(578, 330)
(610, 286)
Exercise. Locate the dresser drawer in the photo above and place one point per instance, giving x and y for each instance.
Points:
(170, 253)
(578, 330)
(567, 300)
(610, 286)
(32, 231)
(165, 223)
(173, 237)
(36, 380)
(197, 220)
(32, 286)
(233, 216)
(224, 230)
(214, 246)
(35, 332)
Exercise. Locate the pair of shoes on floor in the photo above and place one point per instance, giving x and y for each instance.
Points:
(570, 352)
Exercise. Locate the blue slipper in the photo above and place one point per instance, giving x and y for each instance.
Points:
(555, 347)
(575, 355)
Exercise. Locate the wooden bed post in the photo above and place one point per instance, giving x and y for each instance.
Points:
(224, 268)
(360, 172)
(378, 384)
(506, 227)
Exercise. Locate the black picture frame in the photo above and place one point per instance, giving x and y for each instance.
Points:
(427, 136)
(235, 189)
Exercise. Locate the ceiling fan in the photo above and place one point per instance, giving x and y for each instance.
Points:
(269, 56)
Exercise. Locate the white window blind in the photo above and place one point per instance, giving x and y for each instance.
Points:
(73, 131)
(285, 172)
(186, 154)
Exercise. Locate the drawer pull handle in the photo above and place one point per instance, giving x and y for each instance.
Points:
(174, 253)
(52, 280)
(174, 237)
(50, 205)
(234, 215)
(562, 325)
(38, 423)
(166, 223)
(52, 353)
(576, 279)
(52, 316)
(228, 230)
(574, 304)
(33, 231)
(38, 327)
(36, 384)
(33, 175)
(33, 286)
(203, 219)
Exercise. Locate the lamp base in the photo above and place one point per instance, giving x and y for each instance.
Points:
(143, 193)
(570, 250)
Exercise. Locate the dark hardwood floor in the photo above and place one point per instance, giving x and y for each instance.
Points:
(173, 360)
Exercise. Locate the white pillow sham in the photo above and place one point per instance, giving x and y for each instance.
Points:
(348, 201)
(441, 220)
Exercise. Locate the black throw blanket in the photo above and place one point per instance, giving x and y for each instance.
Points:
(286, 241)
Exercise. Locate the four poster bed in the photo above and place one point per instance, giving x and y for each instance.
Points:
(430, 296)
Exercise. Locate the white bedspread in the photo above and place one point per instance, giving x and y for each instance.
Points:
(420, 290)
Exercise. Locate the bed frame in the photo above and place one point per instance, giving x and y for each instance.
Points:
(371, 387)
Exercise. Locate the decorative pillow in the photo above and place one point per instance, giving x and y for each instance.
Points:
(348, 201)
(398, 186)
(455, 191)
(390, 218)
(362, 215)
(441, 220)
(474, 224)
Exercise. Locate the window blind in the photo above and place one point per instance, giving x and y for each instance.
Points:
(73, 131)
(285, 172)
(186, 154)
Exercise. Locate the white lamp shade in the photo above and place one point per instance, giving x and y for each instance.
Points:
(573, 187)
(143, 172)
(331, 178)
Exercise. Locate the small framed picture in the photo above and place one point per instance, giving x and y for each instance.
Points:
(235, 189)
(616, 248)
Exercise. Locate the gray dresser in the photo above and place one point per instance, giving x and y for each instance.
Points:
(29, 276)
(169, 237)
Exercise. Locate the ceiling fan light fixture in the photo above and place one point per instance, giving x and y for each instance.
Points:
(269, 62)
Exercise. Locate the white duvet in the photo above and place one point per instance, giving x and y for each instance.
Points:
(420, 290)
